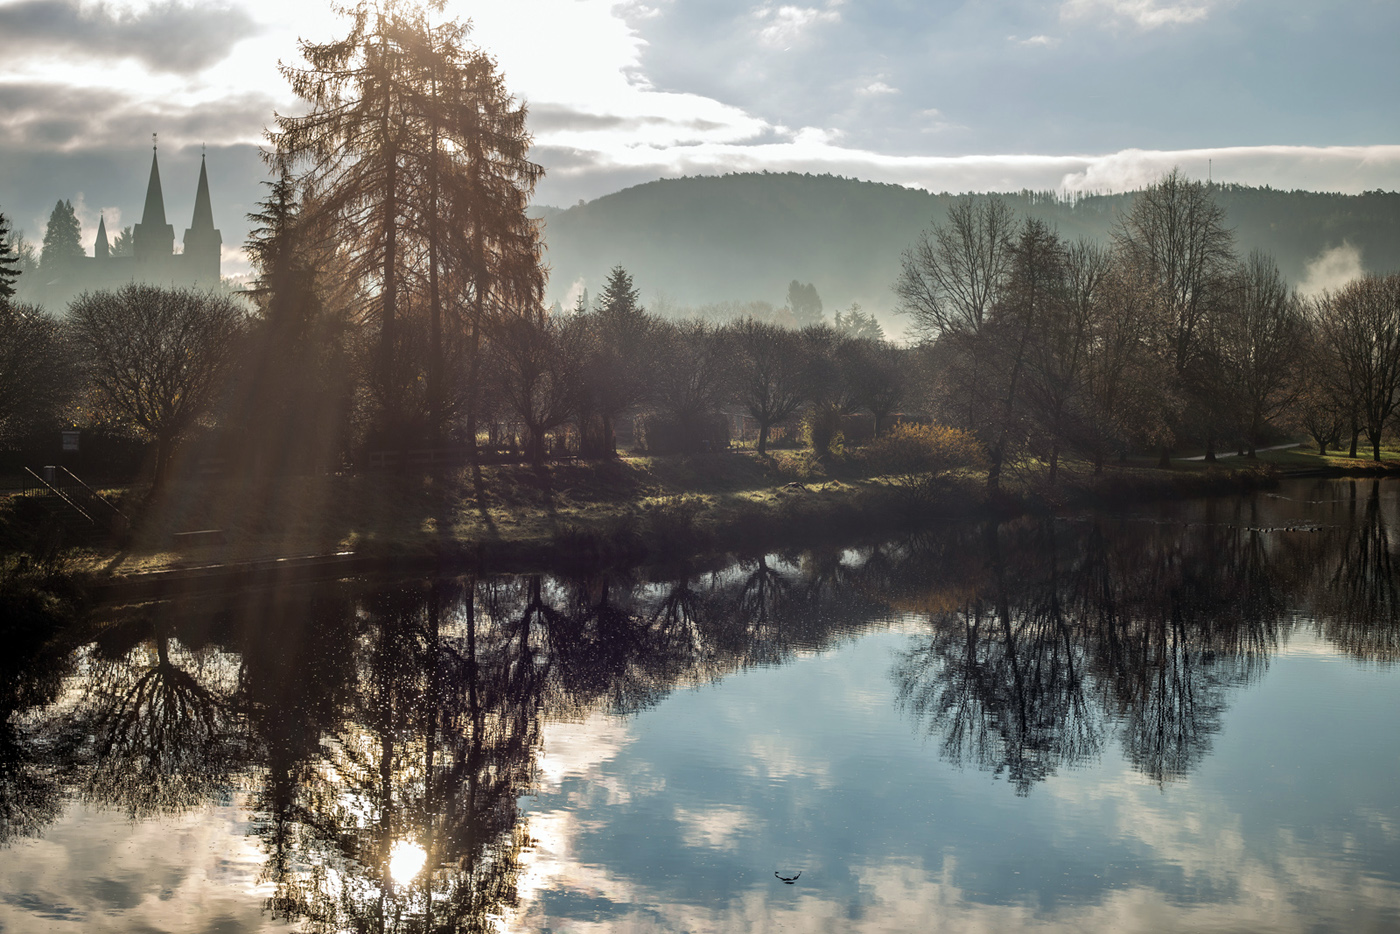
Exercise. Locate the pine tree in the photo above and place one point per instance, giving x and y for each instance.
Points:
(124, 243)
(9, 262)
(63, 243)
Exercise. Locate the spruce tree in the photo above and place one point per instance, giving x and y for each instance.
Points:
(63, 243)
(9, 262)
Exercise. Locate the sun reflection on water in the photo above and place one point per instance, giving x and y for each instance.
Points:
(406, 860)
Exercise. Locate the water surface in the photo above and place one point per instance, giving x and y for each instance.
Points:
(1180, 719)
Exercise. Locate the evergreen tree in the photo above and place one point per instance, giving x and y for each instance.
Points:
(805, 304)
(63, 243)
(9, 262)
(124, 243)
(620, 300)
(418, 157)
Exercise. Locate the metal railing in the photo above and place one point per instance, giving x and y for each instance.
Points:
(80, 500)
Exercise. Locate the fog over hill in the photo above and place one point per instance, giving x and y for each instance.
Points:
(702, 240)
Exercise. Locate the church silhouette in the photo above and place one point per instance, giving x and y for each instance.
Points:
(153, 258)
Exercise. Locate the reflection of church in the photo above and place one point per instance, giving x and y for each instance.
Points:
(153, 258)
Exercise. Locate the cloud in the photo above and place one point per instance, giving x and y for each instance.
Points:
(1332, 269)
(1035, 41)
(48, 117)
(877, 88)
(784, 25)
(1144, 14)
(167, 37)
(1347, 169)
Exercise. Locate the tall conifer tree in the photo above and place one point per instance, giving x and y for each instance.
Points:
(9, 261)
(418, 157)
(63, 243)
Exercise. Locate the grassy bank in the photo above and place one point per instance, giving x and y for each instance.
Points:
(1302, 461)
(630, 510)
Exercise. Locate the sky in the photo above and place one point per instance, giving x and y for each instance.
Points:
(1070, 95)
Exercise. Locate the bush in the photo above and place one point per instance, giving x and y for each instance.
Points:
(658, 434)
(822, 430)
(917, 456)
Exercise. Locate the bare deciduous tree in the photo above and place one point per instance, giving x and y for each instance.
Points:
(1259, 337)
(769, 374)
(952, 277)
(528, 365)
(156, 357)
(36, 373)
(1361, 323)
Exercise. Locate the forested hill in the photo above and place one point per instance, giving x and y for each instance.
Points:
(710, 239)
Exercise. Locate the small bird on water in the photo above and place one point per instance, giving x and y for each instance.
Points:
(786, 880)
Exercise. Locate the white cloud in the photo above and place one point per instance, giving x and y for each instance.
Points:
(1347, 169)
(877, 88)
(1332, 269)
(1145, 14)
(784, 25)
(1035, 41)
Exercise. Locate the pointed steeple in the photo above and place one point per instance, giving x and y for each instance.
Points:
(153, 240)
(155, 201)
(101, 249)
(203, 214)
(202, 240)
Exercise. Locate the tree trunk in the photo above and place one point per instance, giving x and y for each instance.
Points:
(435, 355)
(996, 454)
(1355, 438)
(1165, 460)
(164, 444)
(534, 453)
(1054, 462)
(762, 438)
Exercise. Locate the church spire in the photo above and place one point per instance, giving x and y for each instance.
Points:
(155, 201)
(101, 249)
(202, 241)
(203, 214)
(153, 238)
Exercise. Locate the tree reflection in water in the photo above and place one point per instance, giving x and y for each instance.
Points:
(1071, 630)
(368, 721)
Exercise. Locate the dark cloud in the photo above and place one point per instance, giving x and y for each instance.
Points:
(168, 37)
(553, 118)
(549, 118)
(47, 117)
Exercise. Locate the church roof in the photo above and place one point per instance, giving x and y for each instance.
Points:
(203, 213)
(155, 201)
(101, 248)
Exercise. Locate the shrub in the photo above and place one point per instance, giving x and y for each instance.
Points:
(916, 457)
(822, 430)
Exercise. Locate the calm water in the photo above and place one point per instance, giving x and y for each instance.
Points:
(1182, 719)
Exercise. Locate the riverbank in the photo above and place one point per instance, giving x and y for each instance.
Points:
(628, 511)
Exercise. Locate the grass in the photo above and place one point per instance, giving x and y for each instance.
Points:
(1306, 459)
(626, 510)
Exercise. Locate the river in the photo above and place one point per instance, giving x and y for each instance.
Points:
(1179, 718)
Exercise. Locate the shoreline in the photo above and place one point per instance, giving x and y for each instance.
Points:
(698, 511)
(688, 529)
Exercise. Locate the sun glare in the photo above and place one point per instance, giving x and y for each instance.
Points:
(406, 859)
